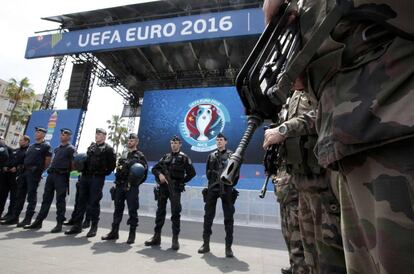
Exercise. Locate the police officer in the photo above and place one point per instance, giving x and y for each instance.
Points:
(57, 180)
(216, 163)
(12, 171)
(36, 160)
(100, 162)
(172, 172)
(4, 156)
(127, 189)
(87, 222)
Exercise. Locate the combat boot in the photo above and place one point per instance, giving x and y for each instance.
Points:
(154, 241)
(229, 252)
(37, 224)
(75, 229)
(26, 221)
(175, 244)
(92, 231)
(10, 221)
(286, 270)
(113, 234)
(57, 228)
(131, 236)
(205, 248)
(86, 224)
(70, 222)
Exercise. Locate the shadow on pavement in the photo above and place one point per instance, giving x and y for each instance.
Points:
(110, 246)
(225, 265)
(162, 255)
(63, 241)
(25, 234)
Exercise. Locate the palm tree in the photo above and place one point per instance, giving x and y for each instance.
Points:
(17, 91)
(117, 131)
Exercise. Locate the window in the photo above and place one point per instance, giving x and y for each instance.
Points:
(4, 121)
(15, 139)
(10, 106)
(19, 126)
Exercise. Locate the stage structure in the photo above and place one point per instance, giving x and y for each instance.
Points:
(150, 46)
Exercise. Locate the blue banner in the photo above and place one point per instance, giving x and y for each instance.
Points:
(196, 116)
(185, 28)
(53, 121)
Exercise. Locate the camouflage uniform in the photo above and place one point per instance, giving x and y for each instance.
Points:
(287, 196)
(319, 214)
(363, 78)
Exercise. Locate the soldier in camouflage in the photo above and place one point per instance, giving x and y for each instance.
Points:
(318, 211)
(363, 78)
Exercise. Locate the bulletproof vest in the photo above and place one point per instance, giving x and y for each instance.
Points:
(218, 161)
(95, 162)
(298, 151)
(125, 163)
(176, 165)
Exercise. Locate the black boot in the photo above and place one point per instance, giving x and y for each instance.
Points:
(75, 229)
(92, 231)
(10, 221)
(155, 240)
(37, 224)
(205, 247)
(175, 244)
(131, 236)
(86, 224)
(26, 221)
(70, 222)
(229, 252)
(113, 234)
(286, 270)
(57, 228)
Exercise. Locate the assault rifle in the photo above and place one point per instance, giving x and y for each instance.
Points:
(276, 61)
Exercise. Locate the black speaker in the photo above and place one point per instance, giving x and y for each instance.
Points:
(79, 86)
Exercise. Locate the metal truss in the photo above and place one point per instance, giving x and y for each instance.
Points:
(52, 87)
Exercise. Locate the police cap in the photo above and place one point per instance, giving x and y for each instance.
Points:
(175, 138)
(41, 129)
(133, 136)
(221, 135)
(100, 130)
(66, 131)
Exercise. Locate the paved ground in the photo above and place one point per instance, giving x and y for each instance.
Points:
(257, 250)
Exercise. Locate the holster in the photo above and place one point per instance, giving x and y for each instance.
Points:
(156, 193)
(234, 195)
(204, 192)
(300, 158)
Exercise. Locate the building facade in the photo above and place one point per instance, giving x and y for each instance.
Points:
(16, 129)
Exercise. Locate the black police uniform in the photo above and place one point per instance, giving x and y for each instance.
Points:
(4, 157)
(34, 164)
(178, 167)
(100, 162)
(126, 191)
(57, 180)
(9, 183)
(216, 163)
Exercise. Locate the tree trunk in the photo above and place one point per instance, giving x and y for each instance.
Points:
(10, 120)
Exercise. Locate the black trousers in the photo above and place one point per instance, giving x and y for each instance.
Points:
(27, 186)
(122, 194)
(175, 201)
(228, 212)
(90, 195)
(76, 206)
(8, 185)
(55, 183)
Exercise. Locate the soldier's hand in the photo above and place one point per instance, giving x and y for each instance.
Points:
(5, 169)
(13, 170)
(162, 179)
(271, 137)
(271, 8)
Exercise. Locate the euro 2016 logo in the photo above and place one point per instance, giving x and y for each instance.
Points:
(204, 120)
